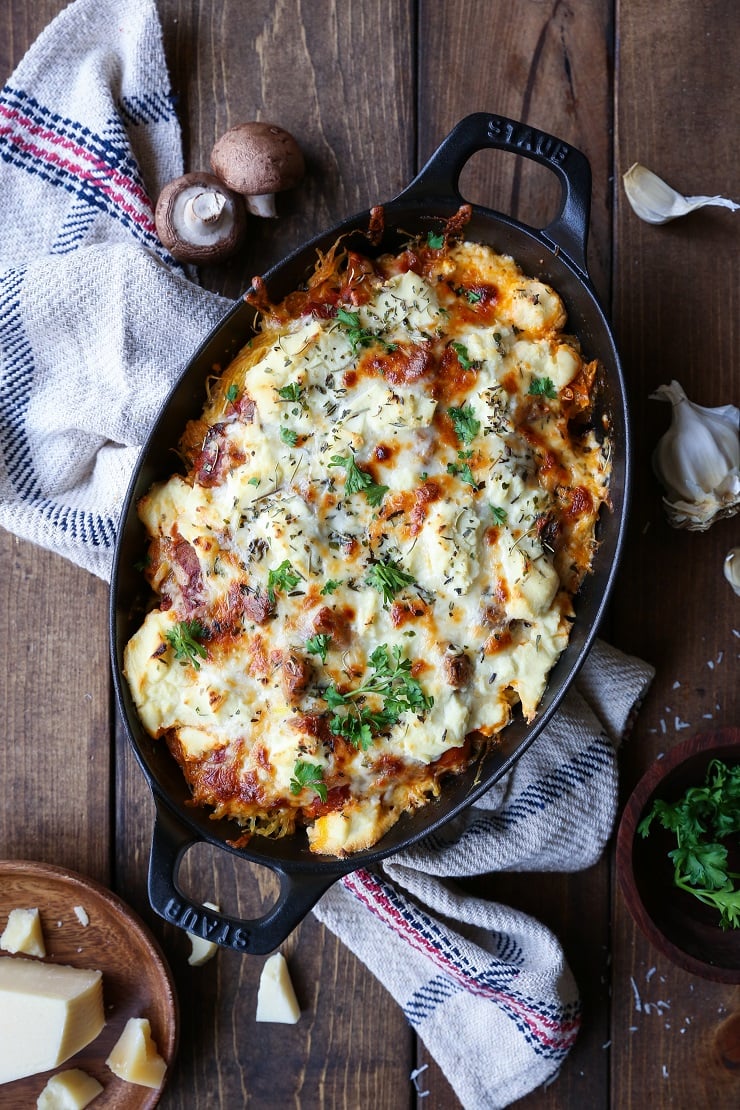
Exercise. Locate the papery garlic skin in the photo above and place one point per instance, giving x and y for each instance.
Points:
(732, 569)
(697, 461)
(656, 202)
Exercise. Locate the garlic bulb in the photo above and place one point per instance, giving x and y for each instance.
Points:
(656, 202)
(697, 461)
(732, 569)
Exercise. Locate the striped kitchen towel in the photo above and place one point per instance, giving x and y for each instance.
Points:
(96, 319)
(487, 988)
(95, 322)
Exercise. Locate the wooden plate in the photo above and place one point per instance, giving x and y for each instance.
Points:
(136, 979)
(679, 926)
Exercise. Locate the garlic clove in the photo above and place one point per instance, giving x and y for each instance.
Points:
(732, 569)
(654, 201)
(697, 461)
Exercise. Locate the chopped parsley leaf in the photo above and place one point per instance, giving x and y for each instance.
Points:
(542, 387)
(463, 356)
(291, 392)
(318, 645)
(184, 639)
(283, 578)
(499, 515)
(254, 482)
(464, 471)
(357, 335)
(330, 587)
(388, 577)
(466, 425)
(310, 776)
(289, 436)
(436, 242)
(232, 393)
(359, 481)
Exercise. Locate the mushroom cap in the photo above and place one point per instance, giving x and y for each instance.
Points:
(199, 219)
(257, 158)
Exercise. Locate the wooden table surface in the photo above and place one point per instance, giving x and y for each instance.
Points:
(370, 88)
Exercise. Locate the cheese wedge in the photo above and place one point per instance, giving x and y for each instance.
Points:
(69, 1090)
(134, 1056)
(276, 1000)
(23, 933)
(202, 950)
(47, 1013)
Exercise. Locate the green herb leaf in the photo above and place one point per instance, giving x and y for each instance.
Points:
(329, 587)
(392, 681)
(436, 242)
(184, 639)
(388, 577)
(466, 425)
(309, 776)
(499, 515)
(291, 392)
(283, 578)
(359, 481)
(232, 393)
(289, 436)
(318, 645)
(463, 357)
(542, 387)
(463, 472)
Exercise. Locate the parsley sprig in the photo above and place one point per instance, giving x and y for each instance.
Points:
(357, 335)
(462, 469)
(283, 577)
(318, 645)
(388, 577)
(185, 640)
(359, 481)
(309, 775)
(700, 819)
(465, 423)
(391, 680)
(542, 387)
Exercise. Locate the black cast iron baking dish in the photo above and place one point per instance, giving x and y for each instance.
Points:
(555, 254)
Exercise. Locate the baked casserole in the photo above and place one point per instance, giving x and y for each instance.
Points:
(370, 560)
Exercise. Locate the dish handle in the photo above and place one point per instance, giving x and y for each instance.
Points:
(298, 894)
(568, 232)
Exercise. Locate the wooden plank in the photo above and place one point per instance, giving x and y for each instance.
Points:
(675, 316)
(54, 697)
(546, 65)
(352, 1045)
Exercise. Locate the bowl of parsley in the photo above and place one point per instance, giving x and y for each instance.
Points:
(678, 855)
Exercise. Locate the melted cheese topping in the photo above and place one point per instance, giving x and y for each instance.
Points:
(389, 503)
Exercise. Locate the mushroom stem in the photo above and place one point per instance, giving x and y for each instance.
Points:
(261, 204)
(205, 207)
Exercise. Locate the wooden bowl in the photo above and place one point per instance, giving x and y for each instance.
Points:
(676, 923)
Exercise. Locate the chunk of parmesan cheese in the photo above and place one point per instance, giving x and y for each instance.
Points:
(276, 1000)
(135, 1057)
(69, 1090)
(202, 950)
(23, 933)
(47, 1013)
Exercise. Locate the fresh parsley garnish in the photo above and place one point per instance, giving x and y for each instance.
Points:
(463, 356)
(359, 481)
(499, 515)
(232, 393)
(542, 387)
(283, 578)
(466, 425)
(463, 471)
(289, 436)
(473, 296)
(357, 335)
(310, 776)
(700, 819)
(329, 587)
(436, 242)
(392, 681)
(318, 645)
(254, 482)
(388, 577)
(185, 640)
(291, 392)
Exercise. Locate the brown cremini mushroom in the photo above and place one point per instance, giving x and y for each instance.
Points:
(258, 160)
(199, 219)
